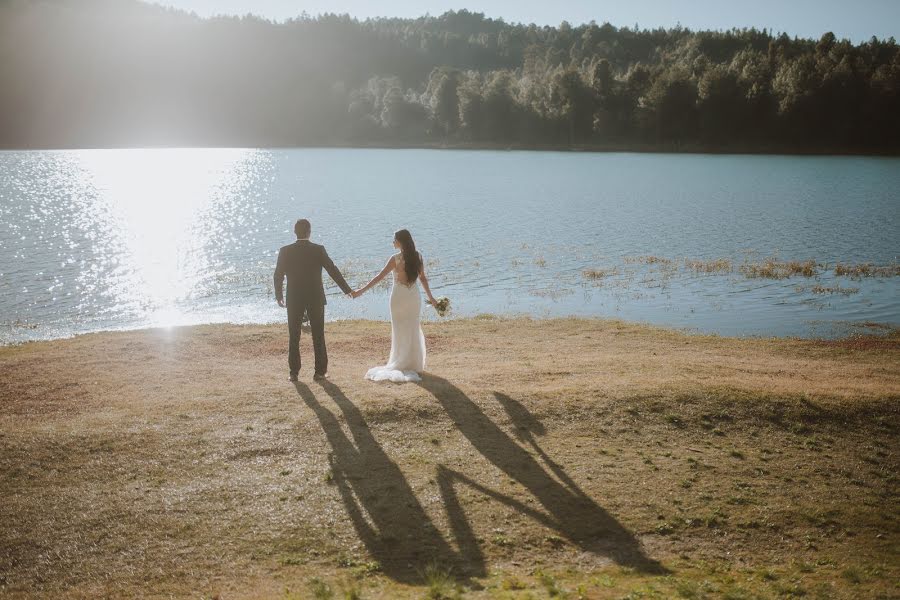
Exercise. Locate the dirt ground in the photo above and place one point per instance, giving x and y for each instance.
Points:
(538, 458)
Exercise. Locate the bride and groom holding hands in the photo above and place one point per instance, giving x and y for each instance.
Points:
(302, 262)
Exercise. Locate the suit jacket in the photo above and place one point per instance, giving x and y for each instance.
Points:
(302, 262)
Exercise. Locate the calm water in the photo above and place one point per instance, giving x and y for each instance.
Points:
(111, 239)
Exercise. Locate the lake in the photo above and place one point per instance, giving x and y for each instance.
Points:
(112, 239)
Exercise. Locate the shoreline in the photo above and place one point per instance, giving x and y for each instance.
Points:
(687, 149)
(853, 330)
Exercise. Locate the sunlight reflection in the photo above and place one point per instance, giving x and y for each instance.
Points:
(157, 203)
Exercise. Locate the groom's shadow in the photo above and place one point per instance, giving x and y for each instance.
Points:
(381, 504)
(394, 526)
(566, 508)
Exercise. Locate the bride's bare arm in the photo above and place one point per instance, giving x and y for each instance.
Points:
(387, 269)
(424, 279)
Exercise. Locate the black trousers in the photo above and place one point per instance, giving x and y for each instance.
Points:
(316, 313)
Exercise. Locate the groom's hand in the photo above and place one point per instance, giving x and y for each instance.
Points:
(280, 302)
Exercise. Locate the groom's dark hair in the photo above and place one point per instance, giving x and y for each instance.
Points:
(302, 228)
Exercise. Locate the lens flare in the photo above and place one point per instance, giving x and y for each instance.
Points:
(157, 203)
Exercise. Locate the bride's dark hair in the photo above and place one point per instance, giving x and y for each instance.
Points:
(411, 260)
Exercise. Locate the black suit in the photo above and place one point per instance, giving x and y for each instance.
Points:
(302, 262)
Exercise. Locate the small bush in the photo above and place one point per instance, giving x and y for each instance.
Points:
(439, 582)
(320, 589)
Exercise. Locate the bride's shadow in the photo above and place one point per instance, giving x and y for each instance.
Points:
(384, 510)
(566, 508)
(394, 526)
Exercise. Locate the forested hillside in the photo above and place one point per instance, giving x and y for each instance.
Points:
(84, 73)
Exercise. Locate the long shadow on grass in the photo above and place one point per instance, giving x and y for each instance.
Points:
(567, 509)
(384, 510)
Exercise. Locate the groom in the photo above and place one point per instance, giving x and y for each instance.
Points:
(302, 262)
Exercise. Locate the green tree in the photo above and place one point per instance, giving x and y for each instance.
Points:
(672, 100)
(721, 105)
(573, 100)
(443, 94)
(500, 107)
(471, 106)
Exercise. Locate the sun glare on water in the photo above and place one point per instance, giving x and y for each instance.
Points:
(160, 207)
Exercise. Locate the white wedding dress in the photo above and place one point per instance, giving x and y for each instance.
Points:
(407, 357)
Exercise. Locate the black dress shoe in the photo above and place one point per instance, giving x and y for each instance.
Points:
(293, 378)
(320, 376)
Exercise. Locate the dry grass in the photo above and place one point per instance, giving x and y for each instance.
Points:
(650, 260)
(595, 274)
(772, 268)
(821, 289)
(719, 265)
(859, 271)
(551, 293)
(577, 458)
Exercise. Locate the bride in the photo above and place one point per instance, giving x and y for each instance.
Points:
(407, 357)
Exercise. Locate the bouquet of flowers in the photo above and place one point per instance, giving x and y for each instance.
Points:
(441, 305)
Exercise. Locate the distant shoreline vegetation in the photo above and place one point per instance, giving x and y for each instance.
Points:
(121, 73)
(496, 147)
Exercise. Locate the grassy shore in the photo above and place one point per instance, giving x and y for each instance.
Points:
(565, 458)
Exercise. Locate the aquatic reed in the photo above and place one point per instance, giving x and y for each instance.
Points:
(718, 265)
(861, 270)
(821, 289)
(771, 268)
(599, 273)
(649, 260)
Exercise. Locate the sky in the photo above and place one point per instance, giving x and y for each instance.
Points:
(857, 19)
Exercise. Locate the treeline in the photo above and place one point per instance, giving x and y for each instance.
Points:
(79, 73)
